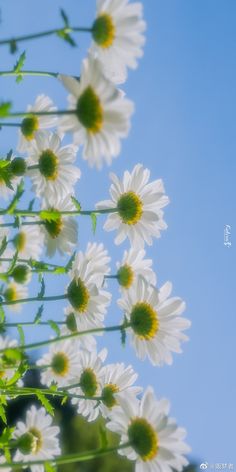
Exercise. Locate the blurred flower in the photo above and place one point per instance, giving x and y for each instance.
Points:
(139, 216)
(155, 321)
(55, 176)
(28, 241)
(156, 442)
(102, 115)
(13, 292)
(118, 37)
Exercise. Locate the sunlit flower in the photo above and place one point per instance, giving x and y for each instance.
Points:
(156, 323)
(97, 262)
(28, 240)
(60, 234)
(55, 176)
(118, 36)
(13, 292)
(88, 301)
(156, 442)
(31, 124)
(89, 377)
(132, 266)
(139, 216)
(36, 438)
(117, 381)
(61, 363)
(102, 114)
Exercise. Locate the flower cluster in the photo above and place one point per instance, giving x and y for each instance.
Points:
(73, 366)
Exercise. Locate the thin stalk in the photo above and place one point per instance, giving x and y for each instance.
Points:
(30, 323)
(34, 299)
(26, 391)
(68, 459)
(28, 37)
(9, 73)
(31, 262)
(32, 213)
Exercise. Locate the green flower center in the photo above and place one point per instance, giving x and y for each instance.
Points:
(48, 164)
(60, 364)
(104, 31)
(20, 273)
(71, 322)
(143, 438)
(28, 127)
(125, 276)
(130, 208)
(78, 295)
(88, 383)
(89, 110)
(18, 166)
(144, 321)
(20, 241)
(108, 395)
(54, 227)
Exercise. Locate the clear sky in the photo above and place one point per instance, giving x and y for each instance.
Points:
(184, 131)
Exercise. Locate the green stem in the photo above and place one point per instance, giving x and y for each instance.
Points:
(8, 73)
(10, 124)
(69, 336)
(30, 323)
(26, 391)
(31, 262)
(42, 34)
(32, 213)
(68, 459)
(34, 299)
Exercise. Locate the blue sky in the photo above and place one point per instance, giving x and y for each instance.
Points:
(184, 131)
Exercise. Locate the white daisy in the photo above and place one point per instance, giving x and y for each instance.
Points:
(61, 363)
(98, 262)
(28, 240)
(52, 173)
(31, 124)
(2, 461)
(117, 381)
(118, 36)
(102, 114)
(132, 266)
(88, 300)
(156, 323)
(89, 376)
(37, 438)
(14, 291)
(156, 442)
(62, 234)
(139, 216)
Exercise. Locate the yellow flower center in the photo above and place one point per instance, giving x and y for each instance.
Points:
(143, 438)
(78, 295)
(104, 31)
(54, 227)
(60, 364)
(89, 110)
(144, 321)
(20, 241)
(130, 208)
(37, 443)
(48, 165)
(11, 293)
(28, 127)
(108, 395)
(88, 382)
(125, 276)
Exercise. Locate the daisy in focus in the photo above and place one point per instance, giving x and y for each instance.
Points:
(155, 320)
(117, 381)
(60, 234)
(134, 265)
(52, 171)
(36, 438)
(102, 114)
(98, 262)
(156, 442)
(31, 124)
(139, 204)
(88, 301)
(89, 376)
(61, 363)
(118, 37)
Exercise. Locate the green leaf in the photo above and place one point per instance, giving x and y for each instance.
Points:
(5, 108)
(54, 326)
(66, 37)
(3, 413)
(46, 403)
(2, 315)
(94, 222)
(70, 262)
(13, 263)
(13, 46)
(42, 289)
(64, 17)
(64, 400)
(31, 204)
(16, 198)
(23, 367)
(103, 437)
(38, 315)
(21, 334)
(49, 467)
(76, 203)
(6, 435)
(49, 215)
(3, 245)
(18, 67)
